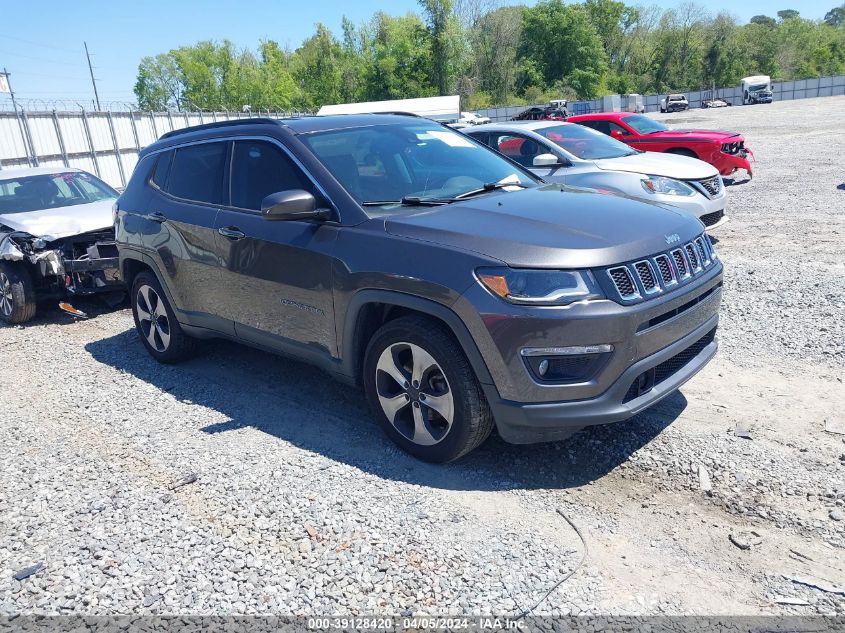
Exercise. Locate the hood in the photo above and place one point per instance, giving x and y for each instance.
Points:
(53, 224)
(550, 227)
(659, 164)
(696, 135)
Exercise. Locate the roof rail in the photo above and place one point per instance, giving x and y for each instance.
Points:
(397, 113)
(218, 124)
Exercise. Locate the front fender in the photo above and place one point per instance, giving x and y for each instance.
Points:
(418, 304)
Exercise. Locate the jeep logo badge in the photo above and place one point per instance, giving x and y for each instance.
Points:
(671, 239)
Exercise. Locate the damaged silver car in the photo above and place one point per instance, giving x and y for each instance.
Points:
(56, 239)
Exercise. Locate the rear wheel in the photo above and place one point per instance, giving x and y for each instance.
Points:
(156, 322)
(17, 294)
(423, 390)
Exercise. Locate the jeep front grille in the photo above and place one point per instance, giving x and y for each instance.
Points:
(624, 282)
(667, 273)
(646, 277)
(692, 257)
(662, 272)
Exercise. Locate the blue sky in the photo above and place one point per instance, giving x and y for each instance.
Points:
(41, 40)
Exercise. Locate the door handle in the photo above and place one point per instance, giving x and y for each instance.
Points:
(157, 217)
(231, 232)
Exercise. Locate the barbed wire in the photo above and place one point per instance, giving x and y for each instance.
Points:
(74, 105)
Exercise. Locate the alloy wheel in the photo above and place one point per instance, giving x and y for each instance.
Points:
(6, 297)
(414, 393)
(152, 317)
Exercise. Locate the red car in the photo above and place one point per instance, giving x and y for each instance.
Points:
(726, 151)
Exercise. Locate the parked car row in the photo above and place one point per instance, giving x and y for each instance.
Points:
(458, 288)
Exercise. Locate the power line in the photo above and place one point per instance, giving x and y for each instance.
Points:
(40, 59)
(42, 44)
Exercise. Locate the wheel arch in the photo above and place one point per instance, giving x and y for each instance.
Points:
(132, 263)
(682, 151)
(370, 309)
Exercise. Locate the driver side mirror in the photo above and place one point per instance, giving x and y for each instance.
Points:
(617, 135)
(293, 204)
(546, 160)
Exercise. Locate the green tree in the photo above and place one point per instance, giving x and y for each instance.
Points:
(559, 44)
(836, 16)
(764, 20)
(316, 67)
(494, 39)
(397, 53)
(788, 14)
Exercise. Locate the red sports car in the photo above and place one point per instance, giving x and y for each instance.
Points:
(726, 151)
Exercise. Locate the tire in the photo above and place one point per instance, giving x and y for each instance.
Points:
(416, 426)
(156, 322)
(17, 294)
(680, 151)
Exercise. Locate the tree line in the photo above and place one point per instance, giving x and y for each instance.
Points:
(492, 53)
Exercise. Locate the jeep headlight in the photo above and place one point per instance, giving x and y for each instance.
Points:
(540, 287)
(667, 186)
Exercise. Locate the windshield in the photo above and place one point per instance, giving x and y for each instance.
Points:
(388, 165)
(644, 125)
(757, 87)
(585, 142)
(51, 191)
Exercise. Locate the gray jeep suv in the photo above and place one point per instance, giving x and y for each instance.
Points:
(460, 291)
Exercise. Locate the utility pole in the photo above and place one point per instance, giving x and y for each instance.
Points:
(91, 70)
(11, 92)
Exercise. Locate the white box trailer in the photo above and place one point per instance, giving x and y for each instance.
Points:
(444, 109)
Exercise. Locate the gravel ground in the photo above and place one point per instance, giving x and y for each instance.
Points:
(726, 498)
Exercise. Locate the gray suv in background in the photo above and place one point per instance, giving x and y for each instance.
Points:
(457, 289)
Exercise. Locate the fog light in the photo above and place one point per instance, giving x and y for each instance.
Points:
(543, 367)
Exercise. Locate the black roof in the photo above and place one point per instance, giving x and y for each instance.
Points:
(304, 125)
(299, 125)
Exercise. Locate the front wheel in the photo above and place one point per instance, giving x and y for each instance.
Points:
(156, 322)
(423, 390)
(17, 294)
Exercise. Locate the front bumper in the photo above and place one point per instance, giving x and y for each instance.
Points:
(521, 423)
(727, 164)
(92, 276)
(699, 206)
(642, 336)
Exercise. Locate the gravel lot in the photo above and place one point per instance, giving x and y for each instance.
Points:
(301, 506)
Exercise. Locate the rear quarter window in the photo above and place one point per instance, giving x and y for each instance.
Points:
(162, 169)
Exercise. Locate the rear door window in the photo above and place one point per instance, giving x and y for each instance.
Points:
(196, 173)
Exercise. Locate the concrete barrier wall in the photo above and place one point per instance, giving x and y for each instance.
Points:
(782, 91)
(105, 144)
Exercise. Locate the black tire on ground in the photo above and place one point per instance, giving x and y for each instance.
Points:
(17, 294)
(166, 342)
(472, 420)
(680, 151)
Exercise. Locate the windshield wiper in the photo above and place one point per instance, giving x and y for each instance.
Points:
(489, 186)
(407, 201)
